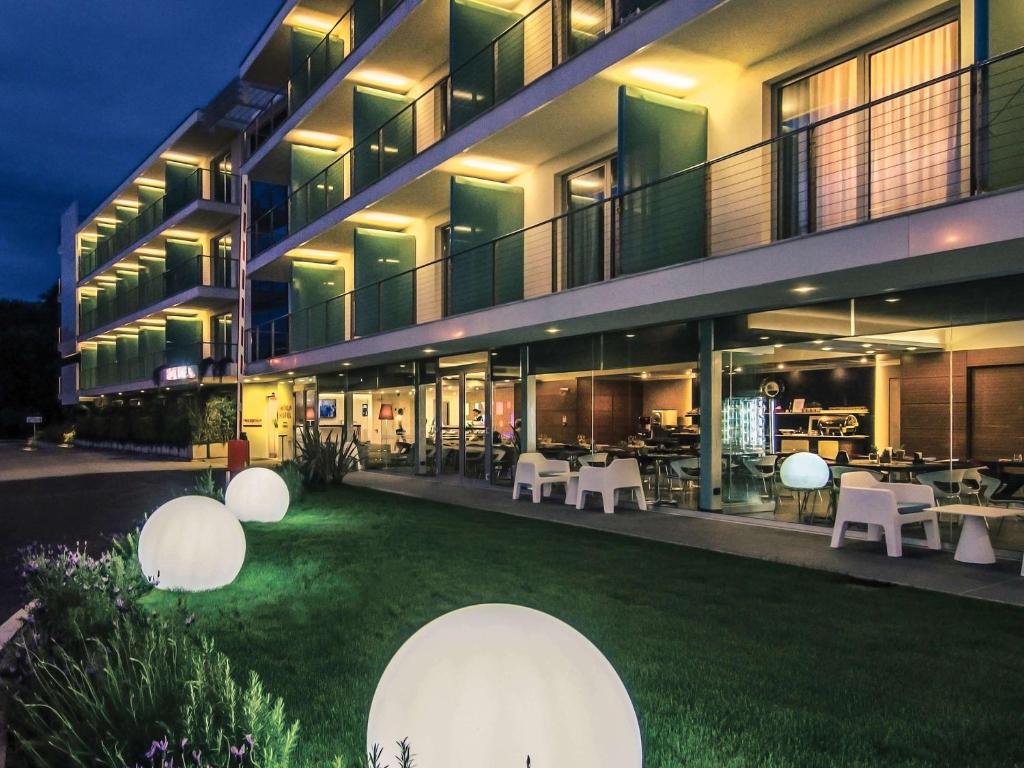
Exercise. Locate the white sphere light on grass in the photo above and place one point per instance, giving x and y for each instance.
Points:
(257, 494)
(193, 544)
(492, 684)
(804, 472)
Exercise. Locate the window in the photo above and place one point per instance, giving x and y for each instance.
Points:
(588, 236)
(901, 154)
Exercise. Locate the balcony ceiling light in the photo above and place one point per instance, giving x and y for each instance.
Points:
(490, 167)
(155, 322)
(180, 157)
(145, 251)
(583, 19)
(308, 19)
(174, 312)
(146, 181)
(381, 218)
(181, 234)
(804, 289)
(315, 254)
(315, 139)
(127, 203)
(669, 81)
(382, 79)
(105, 220)
(552, 330)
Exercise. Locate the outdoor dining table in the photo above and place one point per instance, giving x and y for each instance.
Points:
(660, 461)
(974, 544)
(897, 469)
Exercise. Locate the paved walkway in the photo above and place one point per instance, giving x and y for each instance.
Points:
(780, 542)
(50, 461)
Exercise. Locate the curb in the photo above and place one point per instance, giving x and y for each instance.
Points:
(14, 622)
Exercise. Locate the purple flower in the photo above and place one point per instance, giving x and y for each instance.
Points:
(249, 740)
(197, 756)
(157, 746)
(119, 604)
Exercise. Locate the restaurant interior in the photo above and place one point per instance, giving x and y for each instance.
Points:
(919, 386)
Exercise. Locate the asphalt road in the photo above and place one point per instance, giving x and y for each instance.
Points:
(88, 507)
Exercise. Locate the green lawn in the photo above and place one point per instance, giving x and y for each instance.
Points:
(729, 661)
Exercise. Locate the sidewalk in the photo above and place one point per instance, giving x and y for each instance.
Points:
(783, 543)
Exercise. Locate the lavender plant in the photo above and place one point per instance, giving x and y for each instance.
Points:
(101, 709)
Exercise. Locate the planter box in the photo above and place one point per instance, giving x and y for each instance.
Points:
(216, 451)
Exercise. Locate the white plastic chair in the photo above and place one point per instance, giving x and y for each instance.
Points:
(947, 484)
(589, 459)
(539, 474)
(620, 475)
(687, 470)
(863, 499)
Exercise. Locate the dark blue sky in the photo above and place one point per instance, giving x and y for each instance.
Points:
(87, 89)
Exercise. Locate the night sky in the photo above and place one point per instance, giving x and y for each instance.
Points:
(87, 89)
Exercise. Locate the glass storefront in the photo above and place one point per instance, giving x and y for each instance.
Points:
(923, 386)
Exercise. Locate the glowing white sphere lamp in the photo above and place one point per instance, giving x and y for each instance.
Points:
(492, 684)
(257, 494)
(804, 473)
(193, 544)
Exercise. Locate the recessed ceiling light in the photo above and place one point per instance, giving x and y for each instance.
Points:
(551, 330)
(826, 349)
(489, 166)
(777, 346)
(428, 350)
(780, 366)
(866, 346)
(764, 338)
(660, 77)
(180, 157)
(911, 349)
(892, 299)
(630, 335)
(382, 79)
(863, 359)
(739, 370)
(804, 289)
(818, 341)
(290, 373)
(346, 364)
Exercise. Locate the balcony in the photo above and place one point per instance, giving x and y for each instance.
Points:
(546, 37)
(951, 139)
(197, 272)
(203, 184)
(179, 364)
(350, 31)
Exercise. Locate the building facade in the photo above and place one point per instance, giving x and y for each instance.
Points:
(703, 233)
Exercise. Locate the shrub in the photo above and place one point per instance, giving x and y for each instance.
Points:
(207, 485)
(147, 695)
(323, 460)
(292, 476)
(76, 594)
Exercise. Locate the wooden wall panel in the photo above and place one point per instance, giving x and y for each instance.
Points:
(997, 411)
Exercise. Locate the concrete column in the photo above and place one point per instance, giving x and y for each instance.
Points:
(710, 419)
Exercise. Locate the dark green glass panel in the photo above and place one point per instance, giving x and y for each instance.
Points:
(485, 69)
(483, 272)
(371, 110)
(183, 186)
(184, 266)
(316, 189)
(665, 223)
(318, 311)
(384, 295)
(366, 16)
(184, 336)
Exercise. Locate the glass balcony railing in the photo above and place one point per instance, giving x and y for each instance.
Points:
(203, 184)
(207, 271)
(949, 139)
(549, 35)
(357, 23)
(206, 359)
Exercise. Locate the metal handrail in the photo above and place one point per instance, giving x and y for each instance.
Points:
(222, 273)
(284, 94)
(155, 214)
(442, 87)
(763, 152)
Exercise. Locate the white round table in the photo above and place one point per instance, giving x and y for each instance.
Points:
(974, 544)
